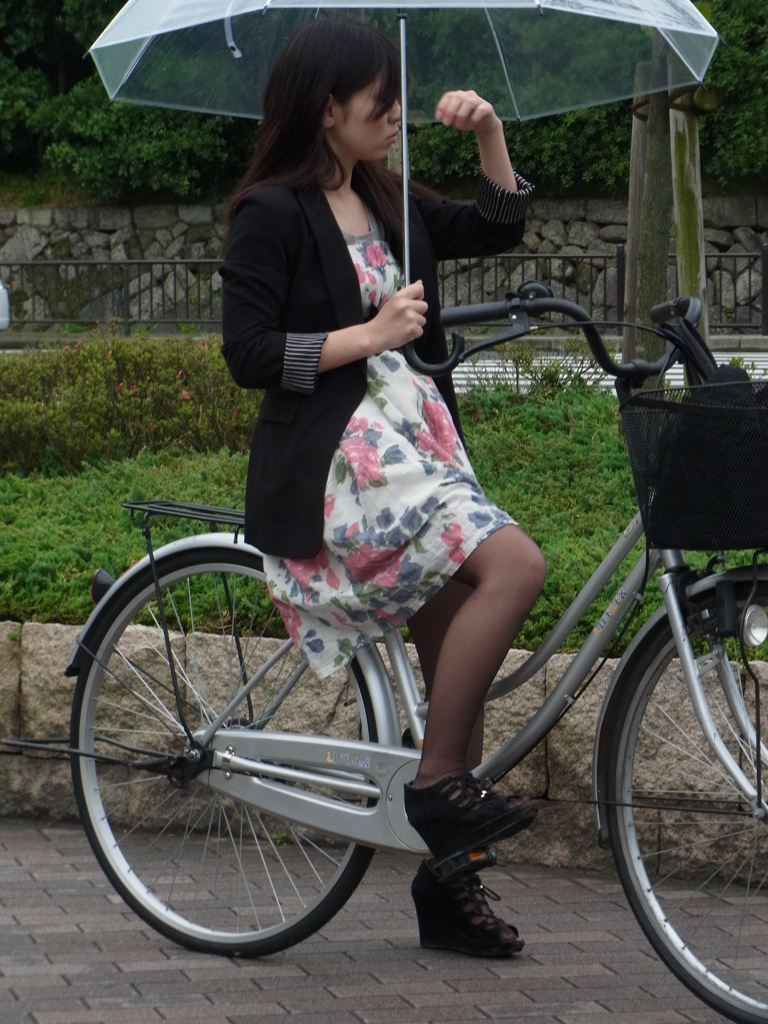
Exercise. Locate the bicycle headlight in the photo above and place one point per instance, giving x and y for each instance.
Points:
(755, 625)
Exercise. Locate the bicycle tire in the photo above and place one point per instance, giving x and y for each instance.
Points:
(207, 871)
(692, 859)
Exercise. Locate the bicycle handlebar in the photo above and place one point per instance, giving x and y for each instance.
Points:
(520, 306)
(688, 308)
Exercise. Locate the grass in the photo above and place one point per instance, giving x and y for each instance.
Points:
(57, 531)
(552, 458)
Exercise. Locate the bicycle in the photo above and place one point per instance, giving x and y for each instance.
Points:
(235, 802)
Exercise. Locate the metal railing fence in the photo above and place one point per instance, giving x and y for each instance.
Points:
(186, 294)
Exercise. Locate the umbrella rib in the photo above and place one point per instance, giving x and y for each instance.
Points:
(131, 67)
(677, 53)
(502, 62)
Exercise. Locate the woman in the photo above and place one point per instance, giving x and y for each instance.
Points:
(359, 490)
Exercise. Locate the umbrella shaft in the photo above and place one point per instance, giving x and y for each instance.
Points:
(404, 149)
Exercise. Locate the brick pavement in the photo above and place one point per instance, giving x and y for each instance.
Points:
(72, 953)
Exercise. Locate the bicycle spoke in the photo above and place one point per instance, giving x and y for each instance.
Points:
(205, 868)
(691, 852)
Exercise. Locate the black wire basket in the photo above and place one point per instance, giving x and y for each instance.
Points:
(699, 459)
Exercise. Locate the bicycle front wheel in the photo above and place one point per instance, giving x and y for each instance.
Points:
(206, 870)
(692, 857)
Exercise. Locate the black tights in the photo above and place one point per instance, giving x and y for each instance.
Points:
(462, 636)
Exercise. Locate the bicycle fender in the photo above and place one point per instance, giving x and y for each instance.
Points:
(88, 636)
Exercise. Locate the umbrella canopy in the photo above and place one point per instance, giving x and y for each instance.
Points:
(528, 57)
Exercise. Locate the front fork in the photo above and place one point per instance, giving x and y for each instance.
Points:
(693, 671)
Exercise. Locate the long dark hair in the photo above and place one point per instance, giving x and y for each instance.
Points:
(326, 57)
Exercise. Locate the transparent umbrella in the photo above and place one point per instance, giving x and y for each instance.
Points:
(528, 57)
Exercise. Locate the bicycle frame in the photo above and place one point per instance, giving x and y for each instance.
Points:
(249, 764)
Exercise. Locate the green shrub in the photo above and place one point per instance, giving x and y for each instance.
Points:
(542, 151)
(109, 398)
(117, 150)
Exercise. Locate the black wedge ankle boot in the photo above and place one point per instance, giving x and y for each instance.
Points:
(455, 915)
(461, 813)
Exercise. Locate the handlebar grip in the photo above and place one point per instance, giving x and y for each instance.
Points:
(483, 312)
(436, 369)
(662, 311)
(685, 306)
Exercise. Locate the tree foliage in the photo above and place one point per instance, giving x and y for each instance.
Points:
(734, 141)
(54, 112)
(568, 153)
(118, 150)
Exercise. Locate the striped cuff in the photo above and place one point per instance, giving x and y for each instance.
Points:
(499, 205)
(302, 354)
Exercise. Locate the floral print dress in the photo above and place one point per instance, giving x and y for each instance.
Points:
(403, 508)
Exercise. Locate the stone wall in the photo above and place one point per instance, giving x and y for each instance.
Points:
(36, 696)
(196, 232)
(111, 233)
(568, 228)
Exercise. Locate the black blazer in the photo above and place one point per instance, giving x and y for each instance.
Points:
(287, 271)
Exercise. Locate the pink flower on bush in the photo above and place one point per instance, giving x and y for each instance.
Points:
(452, 538)
(179, 373)
(185, 395)
(375, 254)
(364, 460)
(303, 569)
(120, 386)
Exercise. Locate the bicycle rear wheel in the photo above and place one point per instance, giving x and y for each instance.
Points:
(691, 856)
(206, 870)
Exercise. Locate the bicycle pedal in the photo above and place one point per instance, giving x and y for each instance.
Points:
(465, 862)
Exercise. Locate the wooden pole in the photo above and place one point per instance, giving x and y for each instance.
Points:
(656, 221)
(684, 115)
(636, 176)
